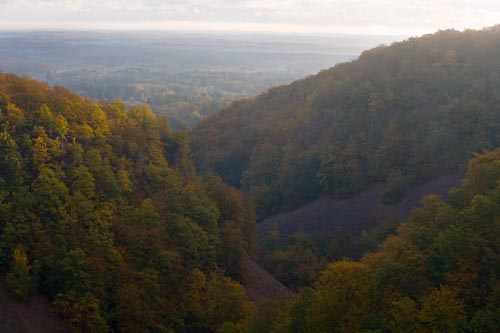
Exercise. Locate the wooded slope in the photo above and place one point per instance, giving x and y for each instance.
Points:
(102, 212)
(404, 113)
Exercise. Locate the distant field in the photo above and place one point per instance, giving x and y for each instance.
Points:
(35, 53)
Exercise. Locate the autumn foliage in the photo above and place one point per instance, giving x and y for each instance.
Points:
(102, 211)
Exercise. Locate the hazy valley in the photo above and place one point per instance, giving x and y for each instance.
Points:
(183, 75)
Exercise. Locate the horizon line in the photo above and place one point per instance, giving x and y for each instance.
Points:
(223, 27)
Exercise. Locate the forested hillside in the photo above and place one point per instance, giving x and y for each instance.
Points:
(439, 273)
(404, 114)
(101, 211)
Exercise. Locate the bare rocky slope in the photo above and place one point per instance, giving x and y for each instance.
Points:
(360, 212)
(31, 316)
(260, 285)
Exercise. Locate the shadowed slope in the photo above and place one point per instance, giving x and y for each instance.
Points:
(31, 316)
(261, 285)
(323, 216)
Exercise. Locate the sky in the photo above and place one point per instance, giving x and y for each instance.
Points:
(365, 17)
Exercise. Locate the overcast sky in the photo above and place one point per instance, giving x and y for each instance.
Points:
(392, 17)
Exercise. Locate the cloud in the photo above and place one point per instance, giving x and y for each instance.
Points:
(114, 5)
(407, 14)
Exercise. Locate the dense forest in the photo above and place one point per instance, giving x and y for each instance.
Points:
(101, 211)
(404, 114)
